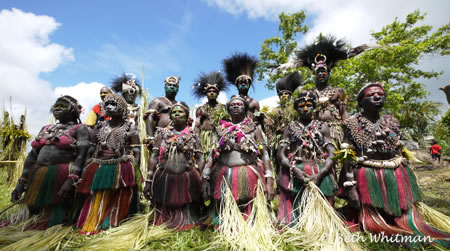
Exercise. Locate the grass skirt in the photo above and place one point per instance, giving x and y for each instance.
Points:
(41, 195)
(110, 187)
(389, 198)
(243, 183)
(177, 199)
(291, 189)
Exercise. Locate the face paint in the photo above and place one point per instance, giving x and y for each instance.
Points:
(243, 85)
(305, 108)
(236, 107)
(103, 93)
(130, 96)
(321, 75)
(112, 108)
(61, 106)
(61, 110)
(171, 88)
(284, 96)
(211, 93)
(178, 114)
(373, 97)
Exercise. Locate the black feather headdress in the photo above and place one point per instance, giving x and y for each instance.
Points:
(240, 66)
(209, 80)
(289, 82)
(324, 52)
(125, 80)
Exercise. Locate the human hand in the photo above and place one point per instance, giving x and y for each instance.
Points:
(148, 190)
(66, 189)
(353, 198)
(17, 192)
(270, 192)
(206, 189)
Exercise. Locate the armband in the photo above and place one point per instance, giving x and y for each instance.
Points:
(23, 181)
(83, 143)
(349, 183)
(268, 174)
(150, 173)
(349, 175)
(206, 172)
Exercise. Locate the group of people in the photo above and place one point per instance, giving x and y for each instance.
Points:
(232, 145)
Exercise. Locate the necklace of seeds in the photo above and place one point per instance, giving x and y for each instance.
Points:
(115, 138)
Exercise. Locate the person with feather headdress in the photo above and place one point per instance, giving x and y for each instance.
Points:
(209, 114)
(321, 56)
(240, 71)
(280, 116)
(128, 86)
(157, 115)
(97, 112)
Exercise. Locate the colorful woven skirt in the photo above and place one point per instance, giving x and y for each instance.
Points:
(243, 183)
(291, 189)
(110, 189)
(41, 195)
(177, 199)
(388, 198)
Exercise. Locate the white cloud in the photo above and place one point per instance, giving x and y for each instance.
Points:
(271, 102)
(26, 51)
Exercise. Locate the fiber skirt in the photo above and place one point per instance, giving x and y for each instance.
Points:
(291, 188)
(177, 199)
(41, 195)
(110, 187)
(243, 183)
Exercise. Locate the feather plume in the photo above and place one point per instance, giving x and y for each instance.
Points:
(289, 82)
(239, 64)
(208, 79)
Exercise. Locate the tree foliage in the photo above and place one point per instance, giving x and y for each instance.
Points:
(397, 64)
(441, 132)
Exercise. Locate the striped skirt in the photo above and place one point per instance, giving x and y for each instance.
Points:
(41, 195)
(388, 198)
(110, 189)
(243, 183)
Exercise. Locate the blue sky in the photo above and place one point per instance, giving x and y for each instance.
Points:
(54, 47)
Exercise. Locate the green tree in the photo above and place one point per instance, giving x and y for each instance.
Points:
(396, 64)
(276, 50)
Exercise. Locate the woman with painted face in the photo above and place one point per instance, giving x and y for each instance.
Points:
(54, 165)
(379, 185)
(173, 181)
(240, 160)
(109, 179)
(128, 86)
(157, 115)
(305, 154)
(209, 114)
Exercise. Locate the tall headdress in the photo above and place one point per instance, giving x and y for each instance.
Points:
(289, 82)
(208, 80)
(126, 82)
(325, 52)
(240, 67)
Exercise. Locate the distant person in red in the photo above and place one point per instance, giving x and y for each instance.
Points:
(435, 151)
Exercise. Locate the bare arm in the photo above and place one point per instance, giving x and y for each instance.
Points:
(198, 117)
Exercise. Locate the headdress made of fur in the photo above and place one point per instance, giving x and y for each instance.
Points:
(289, 82)
(240, 66)
(125, 82)
(209, 80)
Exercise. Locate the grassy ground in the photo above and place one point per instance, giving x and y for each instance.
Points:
(435, 185)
